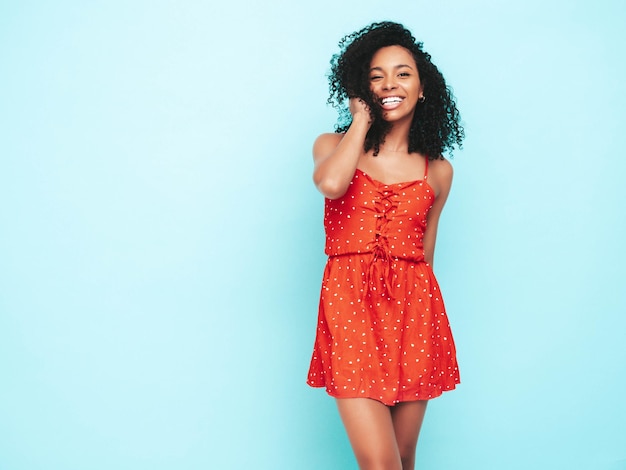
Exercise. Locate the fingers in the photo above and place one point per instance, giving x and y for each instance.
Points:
(358, 105)
(359, 108)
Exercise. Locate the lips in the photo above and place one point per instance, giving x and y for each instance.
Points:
(391, 102)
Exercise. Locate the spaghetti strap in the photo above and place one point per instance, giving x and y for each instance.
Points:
(426, 168)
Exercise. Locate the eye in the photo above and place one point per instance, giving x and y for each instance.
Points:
(404, 74)
(375, 77)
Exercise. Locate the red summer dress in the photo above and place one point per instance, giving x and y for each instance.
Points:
(382, 329)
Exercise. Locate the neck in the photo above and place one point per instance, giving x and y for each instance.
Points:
(397, 140)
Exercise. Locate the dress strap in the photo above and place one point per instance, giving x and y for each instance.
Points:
(425, 168)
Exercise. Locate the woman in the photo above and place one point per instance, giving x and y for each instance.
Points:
(383, 346)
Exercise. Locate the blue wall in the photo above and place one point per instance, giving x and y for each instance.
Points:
(161, 240)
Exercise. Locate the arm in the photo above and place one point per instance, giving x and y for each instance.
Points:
(440, 178)
(336, 156)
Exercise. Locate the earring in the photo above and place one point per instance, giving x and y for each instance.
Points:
(421, 99)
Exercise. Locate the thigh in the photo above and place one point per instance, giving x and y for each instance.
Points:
(371, 433)
(407, 418)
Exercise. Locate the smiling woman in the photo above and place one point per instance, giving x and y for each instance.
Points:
(383, 346)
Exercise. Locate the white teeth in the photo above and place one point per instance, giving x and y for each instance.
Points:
(391, 99)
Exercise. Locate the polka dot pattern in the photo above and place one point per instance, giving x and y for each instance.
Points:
(382, 328)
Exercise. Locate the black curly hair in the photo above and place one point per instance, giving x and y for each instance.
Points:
(436, 124)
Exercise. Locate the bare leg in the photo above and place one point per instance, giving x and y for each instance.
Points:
(407, 420)
(371, 433)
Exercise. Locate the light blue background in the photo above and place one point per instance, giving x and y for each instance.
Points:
(161, 240)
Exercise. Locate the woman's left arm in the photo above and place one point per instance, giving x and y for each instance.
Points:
(440, 179)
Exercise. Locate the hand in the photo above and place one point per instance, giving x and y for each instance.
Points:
(359, 109)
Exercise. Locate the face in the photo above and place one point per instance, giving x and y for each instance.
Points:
(395, 81)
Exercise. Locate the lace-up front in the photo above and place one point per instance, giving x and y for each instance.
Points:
(385, 205)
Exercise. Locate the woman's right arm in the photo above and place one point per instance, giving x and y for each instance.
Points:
(336, 156)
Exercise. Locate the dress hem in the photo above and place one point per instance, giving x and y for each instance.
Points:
(378, 399)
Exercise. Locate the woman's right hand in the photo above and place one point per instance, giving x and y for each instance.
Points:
(360, 110)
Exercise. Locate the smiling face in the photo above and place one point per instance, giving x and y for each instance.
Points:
(395, 81)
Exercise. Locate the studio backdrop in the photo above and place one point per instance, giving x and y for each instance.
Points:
(161, 241)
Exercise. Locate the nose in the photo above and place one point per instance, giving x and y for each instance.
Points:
(389, 82)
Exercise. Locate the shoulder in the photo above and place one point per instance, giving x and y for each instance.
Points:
(440, 169)
(325, 144)
(440, 174)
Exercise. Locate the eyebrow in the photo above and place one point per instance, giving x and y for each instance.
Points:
(396, 67)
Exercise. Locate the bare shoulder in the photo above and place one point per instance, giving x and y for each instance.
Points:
(440, 174)
(325, 144)
(441, 167)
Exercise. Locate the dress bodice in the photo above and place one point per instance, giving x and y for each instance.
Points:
(388, 220)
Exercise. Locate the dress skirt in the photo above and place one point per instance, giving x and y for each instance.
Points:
(382, 331)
